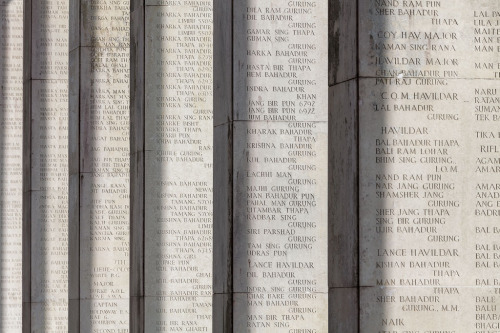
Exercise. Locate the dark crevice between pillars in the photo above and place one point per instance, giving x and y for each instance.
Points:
(74, 79)
(26, 166)
(137, 166)
(44, 129)
(343, 172)
(345, 264)
(222, 312)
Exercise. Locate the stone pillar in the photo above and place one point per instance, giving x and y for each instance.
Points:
(99, 166)
(11, 94)
(171, 184)
(429, 172)
(343, 168)
(271, 119)
(46, 163)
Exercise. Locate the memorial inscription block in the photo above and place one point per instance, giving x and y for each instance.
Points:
(103, 122)
(11, 94)
(49, 167)
(429, 165)
(49, 242)
(178, 166)
(280, 166)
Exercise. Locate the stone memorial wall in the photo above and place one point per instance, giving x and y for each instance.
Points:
(277, 127)
(99, 166)
(298, 166)
(11, 95)
(429, 172)
(46, 170)
(172, 166)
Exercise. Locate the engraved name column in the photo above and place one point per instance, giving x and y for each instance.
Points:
(279, 157)
(46, 57)
(11, 94)
(429, 167)
(171, 198)
(99, 166)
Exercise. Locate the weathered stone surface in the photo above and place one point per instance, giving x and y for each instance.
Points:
(222, 285)
(342, 41)
(222, 229)
(343, 243)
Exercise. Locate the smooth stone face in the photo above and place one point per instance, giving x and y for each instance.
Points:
(50, 316)
(49, 163)
(278, 196)
(104, 250)
(11, 95)
(279, 236)
(429, 167)
(105, 314)
(178, 171)
(50, 40)
(104, 167)
(429, 39)
(279, 60)
(302, 313)
(178, 313)
(280, 166)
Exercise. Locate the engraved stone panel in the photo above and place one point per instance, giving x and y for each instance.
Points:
(280, 166)
(100, 283)
(429, 165)
(48, 59)
(11, 94)
(178, 166)
(49, 240)
(104, 191)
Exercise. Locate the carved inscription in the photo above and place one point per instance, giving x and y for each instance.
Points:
(49, 206)
(49, 167)
(429, 166)
(280, 262)
(105, 167)
(179, 167)
(11, 94)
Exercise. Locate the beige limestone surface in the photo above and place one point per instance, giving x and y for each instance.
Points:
(178, 167)
(103, 89)
(11, 94)
(49, 166)
(280, 117)
(429, 112)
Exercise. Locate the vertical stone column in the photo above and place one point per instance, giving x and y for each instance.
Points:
(46, 174)
(271, 228)
(222, 313)
(171, 198)
(429, 167)
(343, 269)
(11, 94)
(99, 166)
